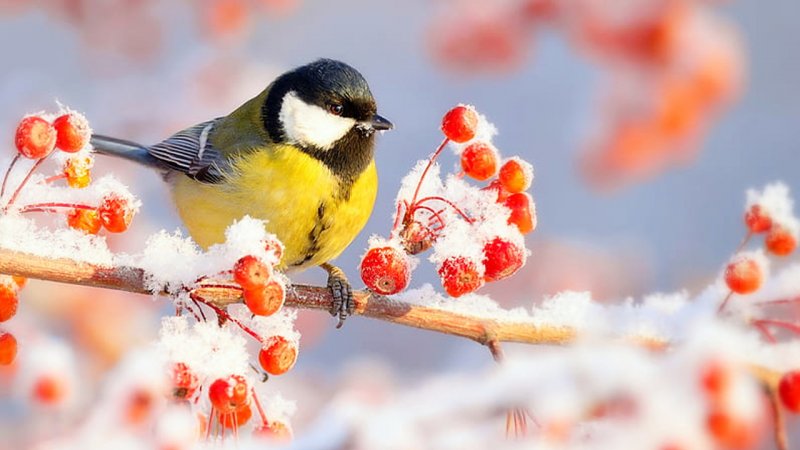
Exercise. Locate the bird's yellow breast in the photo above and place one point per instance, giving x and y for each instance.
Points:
(303, 202)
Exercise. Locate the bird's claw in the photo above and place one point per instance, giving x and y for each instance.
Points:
(343, 304)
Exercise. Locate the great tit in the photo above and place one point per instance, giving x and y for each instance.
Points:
(300, 155)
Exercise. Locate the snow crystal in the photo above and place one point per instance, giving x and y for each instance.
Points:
(279, 408)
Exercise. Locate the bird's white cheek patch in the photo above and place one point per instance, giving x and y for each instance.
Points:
(311, 125)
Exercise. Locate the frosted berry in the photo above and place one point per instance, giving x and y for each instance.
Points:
(184, 382)
(274, 430)
(515, 175)
(78, 171)
(460, 276)
(8, 348)
(479, 161)
(8, 301)
(789, 390)
(523, 213)
(275, 247)
(780, 241)
(385, 270)
(116, 213)
(267, 300)
(501, 259)
(277, 356)
(73, 132)
(757, 220)
(251, 273)
(86, 220)
(237, 418)
(744, 276)
(35, 137)
(228, 394)
(460, 124)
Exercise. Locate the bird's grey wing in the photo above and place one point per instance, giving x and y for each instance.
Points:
(190, 151)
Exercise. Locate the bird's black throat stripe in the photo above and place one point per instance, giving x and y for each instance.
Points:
(320, 226)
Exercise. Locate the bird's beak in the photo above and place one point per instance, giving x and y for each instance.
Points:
(380, 124)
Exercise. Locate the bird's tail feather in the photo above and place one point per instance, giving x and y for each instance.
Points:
(132, 151)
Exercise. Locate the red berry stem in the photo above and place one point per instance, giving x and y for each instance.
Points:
(425, 172)
(762, 328)
(398, 216)
(448, 202)
(791, 327)
(744, 241)
(224, 314)
(49, 207)
(49, 180)
(199, 308)
(264, 420)
(783, 301)
(724, 302)
(435, 215)
(23, 183)
(8, 173)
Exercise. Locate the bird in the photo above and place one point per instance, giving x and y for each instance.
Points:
(300, 155)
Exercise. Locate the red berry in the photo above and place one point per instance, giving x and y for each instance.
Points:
(237, 418)
(744, 276)
(523, 213)
(228, 394)
(789, 390)
(35, 138)
(140, 406)
(479, 160)
(73, 132)
(251, 273)
(267, 300)
(757, 220)
(78, 171)
(184, 382)
(780, 241)
(277, 356)
(460, 124)
(730, 431)
(86, 220)
(116, 213)
(516, 175)
(49, 390)
(460, 276)
(501, 259)
(385, 270)
(8, 300)
(8, 349)
(274, 430)
(715, 379)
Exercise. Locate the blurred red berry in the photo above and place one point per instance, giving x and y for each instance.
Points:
(35, 137)
(73, 132)
(8, 348)
(277, 356)
(8, 300)
(789, 390)
(267, 300)
(479, 161)
(251, 273)
(460, 124)
(274, 430)
(139, 406)
(780, 241)
(184, 382)
(501, 259)
(237, 418)
(86, 220)
(385, 270)
(48, 389)
(515, 175)
(116, 213)
(715, 378)
(757, 220)
(744, 276)
(729, 431)
(523, 214)
(228, 394)
(460, 276)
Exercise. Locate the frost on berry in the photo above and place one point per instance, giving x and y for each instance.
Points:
(251, 273)
(385, 268)
(35, 137)
(73, 131)
(461, 275)
(746, 271)
(85, 220)
(77, 169)
(460, 124)
(502, 258)
(116, 213)
(770, 207)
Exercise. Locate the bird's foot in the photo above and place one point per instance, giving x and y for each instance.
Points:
(343, 303)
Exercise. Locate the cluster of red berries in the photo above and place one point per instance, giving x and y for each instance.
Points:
(780, 239)
(729, 427)
(232, 400)
(9, 300)
(36, 137)
(422, 220)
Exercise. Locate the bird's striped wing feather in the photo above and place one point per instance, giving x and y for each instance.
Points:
(191, 152)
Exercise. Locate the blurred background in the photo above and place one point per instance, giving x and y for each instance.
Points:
(645, 122)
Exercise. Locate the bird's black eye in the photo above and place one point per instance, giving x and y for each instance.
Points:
(335, 109)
